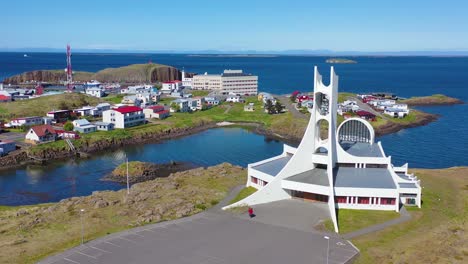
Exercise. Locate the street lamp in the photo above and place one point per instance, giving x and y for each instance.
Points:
(82, 226)
(128, 183)
(328, 246)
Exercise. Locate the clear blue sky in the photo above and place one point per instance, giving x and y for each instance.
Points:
(236, 25)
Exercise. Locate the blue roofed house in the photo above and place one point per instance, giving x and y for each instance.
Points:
(104, 126)
(83, 126)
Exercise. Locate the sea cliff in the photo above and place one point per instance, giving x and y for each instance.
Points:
(135, 73)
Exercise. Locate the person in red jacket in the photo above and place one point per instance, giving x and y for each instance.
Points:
(251, 212)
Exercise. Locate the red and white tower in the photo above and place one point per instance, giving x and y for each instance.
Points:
(69, 71)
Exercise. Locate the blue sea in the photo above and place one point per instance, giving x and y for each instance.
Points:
(440, 144)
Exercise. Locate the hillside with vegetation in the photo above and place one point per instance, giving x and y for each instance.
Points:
(41, 105)
(135, 73)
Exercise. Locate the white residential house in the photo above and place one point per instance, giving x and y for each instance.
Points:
(40, 134)
(124, 116)
(183, 105)
(83, 126)
(235, 99)
(104, 126)
(84, 111)
(131, 100)
(25, 121)
(396, 112)
(196, 103)
(97, 111)
(95, 91)
(171, 86)
(136, 89)
(211, 101)
(144, 98)
(156, 111)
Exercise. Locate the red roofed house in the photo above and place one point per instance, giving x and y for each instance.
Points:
(366, 115)
(124, 116)
(41, 134)
(156, 111)
(4, 98)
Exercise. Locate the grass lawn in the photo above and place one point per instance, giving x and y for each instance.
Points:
(352, 220)
(41, 105)
(435, 234)
(114, 98)
(243, 193)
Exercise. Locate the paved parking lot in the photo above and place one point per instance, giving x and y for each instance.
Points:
(212, 237)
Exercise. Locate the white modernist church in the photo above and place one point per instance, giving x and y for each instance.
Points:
(341, 166)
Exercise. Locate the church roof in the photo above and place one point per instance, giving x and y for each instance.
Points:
(379, 178)
(273, 167)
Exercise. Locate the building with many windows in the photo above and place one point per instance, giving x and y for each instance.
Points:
(124, 116)
(229, 82)
(340, 166)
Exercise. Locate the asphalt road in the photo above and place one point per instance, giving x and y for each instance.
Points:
(212, 237)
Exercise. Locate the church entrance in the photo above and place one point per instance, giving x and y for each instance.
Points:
(306, 196)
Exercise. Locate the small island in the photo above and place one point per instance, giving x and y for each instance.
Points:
(435, 99)
(340, 60)
(145, 171)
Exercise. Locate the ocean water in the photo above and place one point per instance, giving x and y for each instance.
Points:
(437, 145)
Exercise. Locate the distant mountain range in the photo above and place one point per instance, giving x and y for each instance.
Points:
(298, 52)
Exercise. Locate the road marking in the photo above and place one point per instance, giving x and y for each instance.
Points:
(137, 234)
(100, 249)
(72, 261)
(127, 239)
(112, 244)
(79, 252)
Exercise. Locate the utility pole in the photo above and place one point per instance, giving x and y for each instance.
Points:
(328, 246)
(128, 183)
(82, 226)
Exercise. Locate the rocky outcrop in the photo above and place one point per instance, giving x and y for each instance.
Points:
(52, 76)
(144, 171)
(135, 73)
(13, 159)
(436, 99)
(392, 127)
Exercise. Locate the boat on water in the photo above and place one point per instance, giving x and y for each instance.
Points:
(25, 55)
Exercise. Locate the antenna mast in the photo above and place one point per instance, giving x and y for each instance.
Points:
(69, 70)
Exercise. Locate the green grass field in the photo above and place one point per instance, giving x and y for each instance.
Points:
(247, 191)
(435, 234)
(352, 220)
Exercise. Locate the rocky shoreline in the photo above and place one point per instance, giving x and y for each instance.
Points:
(24, 157)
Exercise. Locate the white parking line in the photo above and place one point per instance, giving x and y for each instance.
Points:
(137, 234)
(112, 244)
(72, 261)
(127, 239)
(79, 252)
(100, 249)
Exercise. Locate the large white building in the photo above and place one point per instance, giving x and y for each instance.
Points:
(229, 82)
(124, 116)
(342, 166)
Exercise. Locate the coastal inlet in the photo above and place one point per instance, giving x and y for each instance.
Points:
(57, 180)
